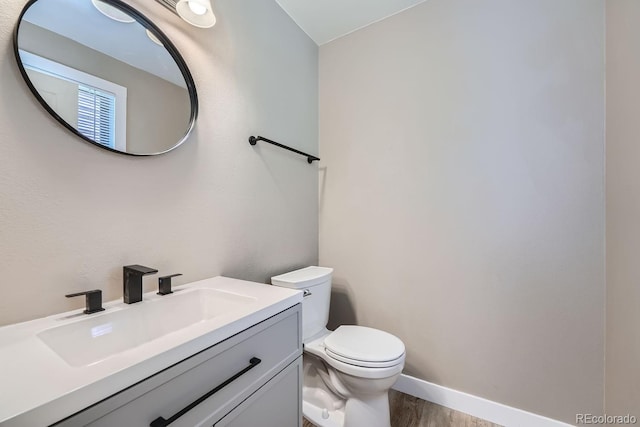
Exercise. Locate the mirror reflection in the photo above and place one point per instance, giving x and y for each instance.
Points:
(106, 73)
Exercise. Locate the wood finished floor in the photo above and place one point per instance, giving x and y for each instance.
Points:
(409, 411)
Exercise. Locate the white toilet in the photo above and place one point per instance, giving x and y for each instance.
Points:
(347, 372)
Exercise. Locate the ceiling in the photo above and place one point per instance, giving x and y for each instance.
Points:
(326, 20)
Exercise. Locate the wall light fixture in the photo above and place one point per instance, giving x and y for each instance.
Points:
(198, 13)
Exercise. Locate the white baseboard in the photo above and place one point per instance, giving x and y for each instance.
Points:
(476, 406)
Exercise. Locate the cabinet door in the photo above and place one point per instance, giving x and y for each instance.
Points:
(276, 404)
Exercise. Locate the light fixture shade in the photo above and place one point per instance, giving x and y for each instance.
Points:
(189, 10)
(153, 38)
(112, 12)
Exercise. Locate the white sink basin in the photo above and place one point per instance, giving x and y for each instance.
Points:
(100, 336)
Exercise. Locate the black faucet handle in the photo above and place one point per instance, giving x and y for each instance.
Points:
(93, 300)
(140, 269)
(164, 284)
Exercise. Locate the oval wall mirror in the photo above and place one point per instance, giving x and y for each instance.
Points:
(107, 74)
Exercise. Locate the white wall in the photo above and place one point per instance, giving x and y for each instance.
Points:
(71, 215)
(623, 208)
(462, 194)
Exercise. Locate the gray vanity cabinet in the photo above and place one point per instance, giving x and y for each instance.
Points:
(270, 406)
(256, 376)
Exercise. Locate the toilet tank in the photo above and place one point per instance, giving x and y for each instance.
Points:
(315, 282)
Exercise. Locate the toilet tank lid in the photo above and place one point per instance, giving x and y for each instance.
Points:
(303, 278)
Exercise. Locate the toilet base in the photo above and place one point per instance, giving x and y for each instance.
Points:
(359, 413)
(334, 399)
(317, 415)
(372, 412)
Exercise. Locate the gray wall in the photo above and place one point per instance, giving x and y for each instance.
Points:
(71, 214)
(462, 194)
(59, 94)
(623, 208)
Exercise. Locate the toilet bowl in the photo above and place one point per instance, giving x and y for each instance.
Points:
(347, 372)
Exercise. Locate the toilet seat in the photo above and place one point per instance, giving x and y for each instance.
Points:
(363, 346)
(362, 363)
(354, 347)
(353, 370)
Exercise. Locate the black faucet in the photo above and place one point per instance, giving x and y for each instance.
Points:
(132, 282)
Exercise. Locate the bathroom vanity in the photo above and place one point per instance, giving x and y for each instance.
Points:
(219, 352)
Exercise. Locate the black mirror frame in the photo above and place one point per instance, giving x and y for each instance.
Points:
(148, 24)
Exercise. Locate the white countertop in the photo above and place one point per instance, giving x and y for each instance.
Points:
(38, 388)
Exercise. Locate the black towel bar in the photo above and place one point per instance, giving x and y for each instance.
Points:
(253, 140)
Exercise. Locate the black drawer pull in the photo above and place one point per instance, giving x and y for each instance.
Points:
(161, 422)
